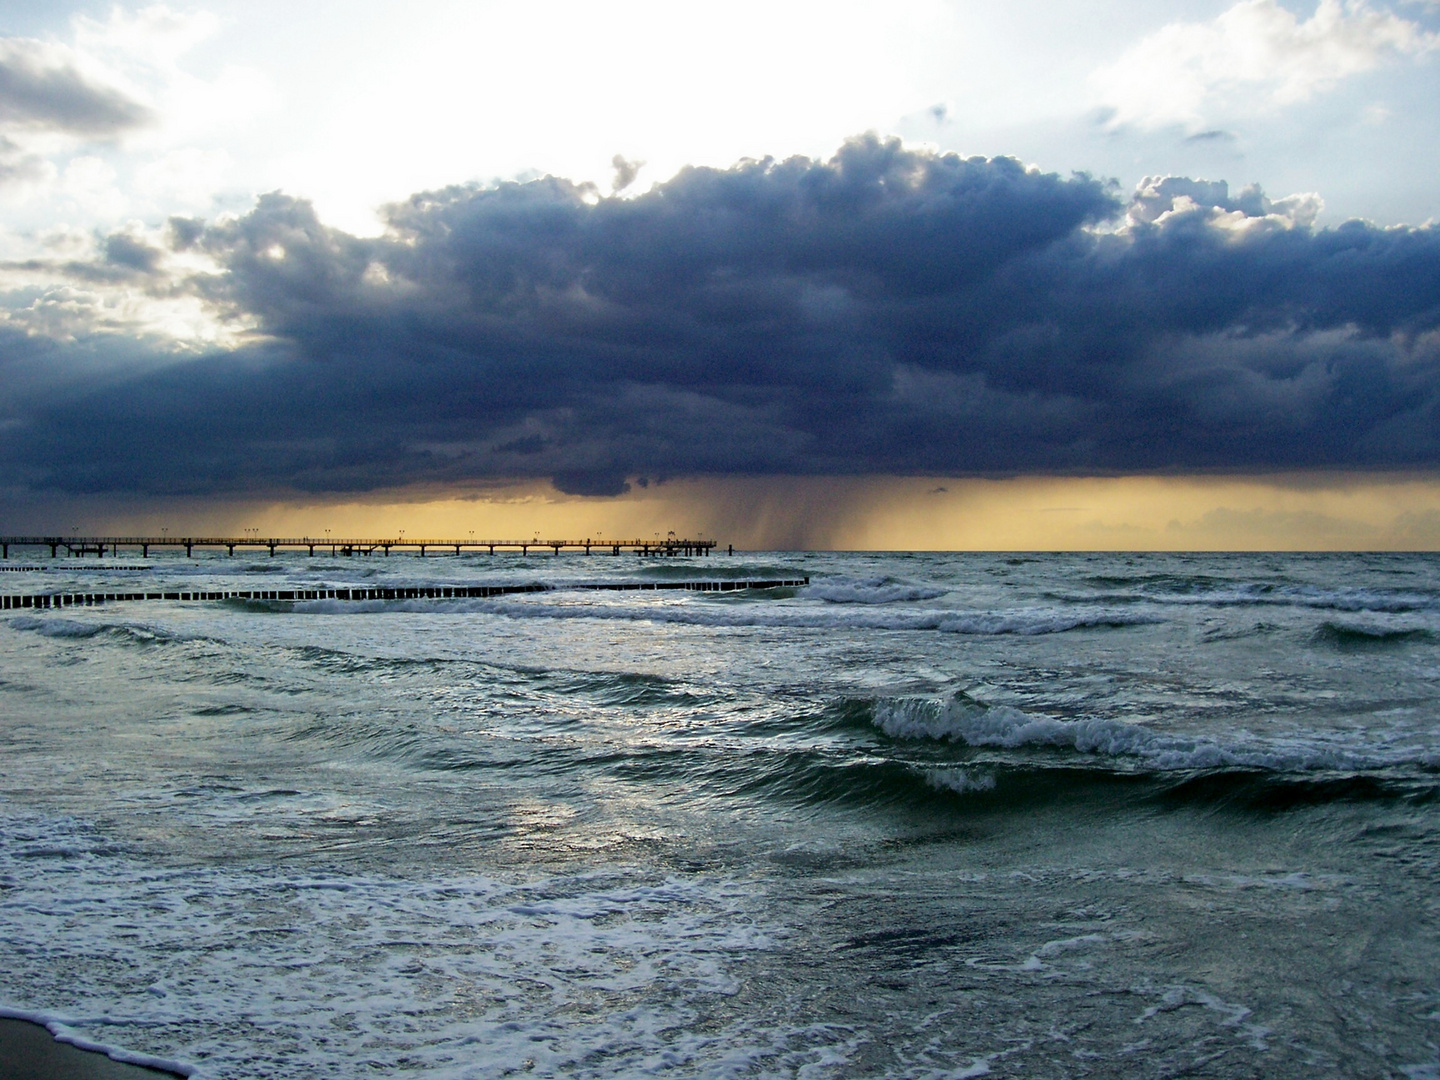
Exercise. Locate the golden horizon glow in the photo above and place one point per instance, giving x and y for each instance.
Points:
(1301, 512)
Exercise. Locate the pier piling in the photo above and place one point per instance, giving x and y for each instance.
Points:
(103, 546)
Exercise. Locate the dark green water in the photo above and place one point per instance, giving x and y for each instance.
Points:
(935, 815)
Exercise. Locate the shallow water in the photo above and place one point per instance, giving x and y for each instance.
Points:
(934, 815)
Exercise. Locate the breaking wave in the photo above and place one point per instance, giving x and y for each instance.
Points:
(962, 719)
(736, 612)
(1205, 591)
(877, 590)
(74, 628)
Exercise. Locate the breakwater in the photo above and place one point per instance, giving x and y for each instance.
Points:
(418, 592)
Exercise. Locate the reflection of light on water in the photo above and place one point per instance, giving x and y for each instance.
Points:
(530, 815)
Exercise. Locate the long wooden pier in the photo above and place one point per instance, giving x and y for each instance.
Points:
(417, 592)
(101, 545)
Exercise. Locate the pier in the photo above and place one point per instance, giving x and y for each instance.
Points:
(417, 592)
(100, 546)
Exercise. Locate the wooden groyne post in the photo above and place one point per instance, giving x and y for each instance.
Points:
(414, 592)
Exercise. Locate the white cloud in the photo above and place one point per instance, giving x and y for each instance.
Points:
(188, 177)
(1159, 198)
(90, 183)
(474, 91)
(125, 117)
(147, 49)
(155, 35)
(1253, 57)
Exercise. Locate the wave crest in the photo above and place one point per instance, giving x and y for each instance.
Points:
(58, 628)
(962, 719)
(74, 629)
(876, 590)
(1205, 591)
(737, 611)
(1347, 635)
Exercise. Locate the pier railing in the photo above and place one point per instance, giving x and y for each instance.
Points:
(100, 546)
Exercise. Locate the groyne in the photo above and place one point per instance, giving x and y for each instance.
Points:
(415, 592)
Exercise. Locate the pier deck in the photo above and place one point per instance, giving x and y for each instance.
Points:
(101, 545)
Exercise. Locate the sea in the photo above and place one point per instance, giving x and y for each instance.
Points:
(930, 815)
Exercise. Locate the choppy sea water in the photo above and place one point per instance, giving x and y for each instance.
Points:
(934, 815)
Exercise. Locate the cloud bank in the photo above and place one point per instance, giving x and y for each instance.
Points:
(887, 311)
(42, 88)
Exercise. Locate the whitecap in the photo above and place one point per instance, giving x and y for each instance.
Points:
(879, 590)
(963, 719)
(960, 781)
(726, 613)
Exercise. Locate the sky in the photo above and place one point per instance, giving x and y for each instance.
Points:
(930, 274)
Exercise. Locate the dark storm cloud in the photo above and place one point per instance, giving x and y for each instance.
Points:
(887, 311)
(41, 91)
(123, 258)
(133, 254)
(184, 232)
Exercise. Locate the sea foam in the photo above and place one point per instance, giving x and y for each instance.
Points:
(462, 975)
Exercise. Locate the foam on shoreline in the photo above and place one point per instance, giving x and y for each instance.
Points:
(63, 1030)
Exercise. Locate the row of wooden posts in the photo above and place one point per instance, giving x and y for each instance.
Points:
(414, 592)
